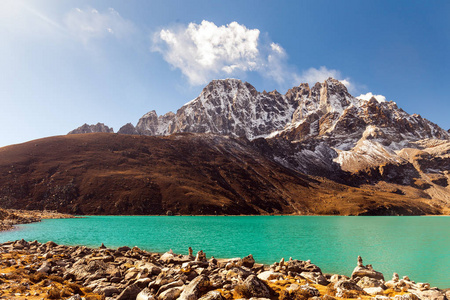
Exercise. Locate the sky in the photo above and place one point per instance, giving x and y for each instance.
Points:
(66, 63)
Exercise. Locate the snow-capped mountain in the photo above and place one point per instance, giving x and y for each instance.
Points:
(312, 130)
(330, 125)
(228, 107)
(232, 107)
(234, 150)
(324, 125)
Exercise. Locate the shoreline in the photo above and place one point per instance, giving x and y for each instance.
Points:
(11, 217)
(132, 273)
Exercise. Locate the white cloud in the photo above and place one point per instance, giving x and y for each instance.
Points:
(368, 96)
(91, 24)
(205, 51)
(313, 75)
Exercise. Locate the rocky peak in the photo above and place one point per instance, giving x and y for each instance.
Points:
(229, 86)
(323, 111)
(128, 129)
(85, 128)
(152, 124)
(334, 96)
(227, 106)
(148, 124)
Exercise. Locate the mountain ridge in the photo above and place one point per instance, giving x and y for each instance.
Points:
(205, 174)
(234, 150)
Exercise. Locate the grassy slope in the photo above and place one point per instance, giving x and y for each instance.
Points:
(187, 174)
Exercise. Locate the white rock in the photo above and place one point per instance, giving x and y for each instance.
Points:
(269, 275)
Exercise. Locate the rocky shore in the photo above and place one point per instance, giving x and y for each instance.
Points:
(31, 270)
(11, 217)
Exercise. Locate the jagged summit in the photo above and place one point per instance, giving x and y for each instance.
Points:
(236, 108)
(85, 128)
(128, 129)
(228, 107)
(315, 149)
(325, 110)
(320, 130)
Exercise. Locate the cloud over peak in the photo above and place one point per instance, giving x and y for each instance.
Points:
(368, 96)
(206, 51)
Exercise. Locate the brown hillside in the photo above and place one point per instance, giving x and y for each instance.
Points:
(102, 173)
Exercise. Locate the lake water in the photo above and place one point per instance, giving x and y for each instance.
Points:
(415, 246)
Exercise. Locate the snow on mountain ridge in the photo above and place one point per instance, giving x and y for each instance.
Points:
(229, 107)
(236, 108)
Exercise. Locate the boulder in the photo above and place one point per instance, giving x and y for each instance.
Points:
(312, 291)
(44, 268)
(242, 273)
(256, 288)
(335, 278)
(171, 294)
(257, 268)
(108, 290)
(129, 293)
(344, 286)
(374, 290)
(315, 277)
(149, 267)
(428, 295)
(212, 295)
(169, 286)
(293, 287)
(299, 266)
(123, 249)
(145, 294)
(367, 282)
(142, 282)
(348, 285)
(247, 261)
(167, 257)
(269, 275)
(193, 290)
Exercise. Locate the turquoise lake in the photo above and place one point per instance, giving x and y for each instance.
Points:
(415, 246)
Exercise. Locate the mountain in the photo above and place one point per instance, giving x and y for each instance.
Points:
(321, 132)
(227, 107)
(101, 173)
(128, 129)
(85, 128)
(232, 107)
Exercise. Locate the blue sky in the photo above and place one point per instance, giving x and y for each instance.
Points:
(66, 63)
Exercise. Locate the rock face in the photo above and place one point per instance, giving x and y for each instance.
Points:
(320, 130)
(327, 110)
(228, 107)
(99, 127)
(128, 129)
